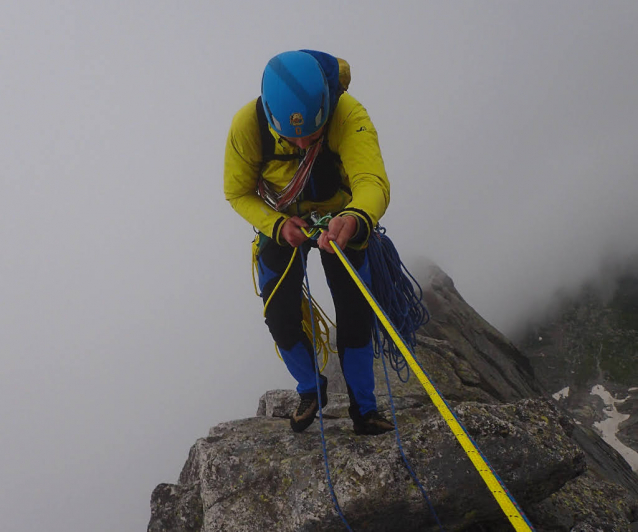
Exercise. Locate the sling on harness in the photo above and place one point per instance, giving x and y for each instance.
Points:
(280, 201)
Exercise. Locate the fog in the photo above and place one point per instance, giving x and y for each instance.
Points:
(129, 323)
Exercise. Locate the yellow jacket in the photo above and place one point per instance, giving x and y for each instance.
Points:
(351, 135)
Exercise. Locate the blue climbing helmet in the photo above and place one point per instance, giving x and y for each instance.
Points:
(295, 94)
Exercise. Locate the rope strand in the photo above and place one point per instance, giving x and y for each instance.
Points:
(318, 384)
(408, 466)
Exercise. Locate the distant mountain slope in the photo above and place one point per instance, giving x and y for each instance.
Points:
(591, 340)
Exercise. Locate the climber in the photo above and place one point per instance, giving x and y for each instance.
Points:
(307, 145)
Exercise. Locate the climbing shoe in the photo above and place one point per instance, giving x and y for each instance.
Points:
(308, 408)
(371, 423)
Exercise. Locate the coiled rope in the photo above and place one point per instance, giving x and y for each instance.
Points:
(393, 287)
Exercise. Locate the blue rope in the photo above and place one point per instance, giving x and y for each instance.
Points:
(393, 286)
(400, 445)
(318, 384)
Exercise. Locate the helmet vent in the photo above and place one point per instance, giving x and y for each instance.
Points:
(275, 122)
(319, 117)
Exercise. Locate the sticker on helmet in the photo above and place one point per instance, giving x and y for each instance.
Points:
(296, 119)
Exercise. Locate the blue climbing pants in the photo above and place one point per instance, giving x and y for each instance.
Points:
(353, 318)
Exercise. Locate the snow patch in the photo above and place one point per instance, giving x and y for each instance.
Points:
(561, 394)
(609, 426)
(633, 389)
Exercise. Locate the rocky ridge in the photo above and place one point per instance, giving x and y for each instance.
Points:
(255, 474)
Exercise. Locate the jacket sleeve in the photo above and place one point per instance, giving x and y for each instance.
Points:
(358, 146)
(242, 163)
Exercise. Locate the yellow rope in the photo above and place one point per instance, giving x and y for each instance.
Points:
(510, 509)
(321, 319)
(321, 329)
(508, 506)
